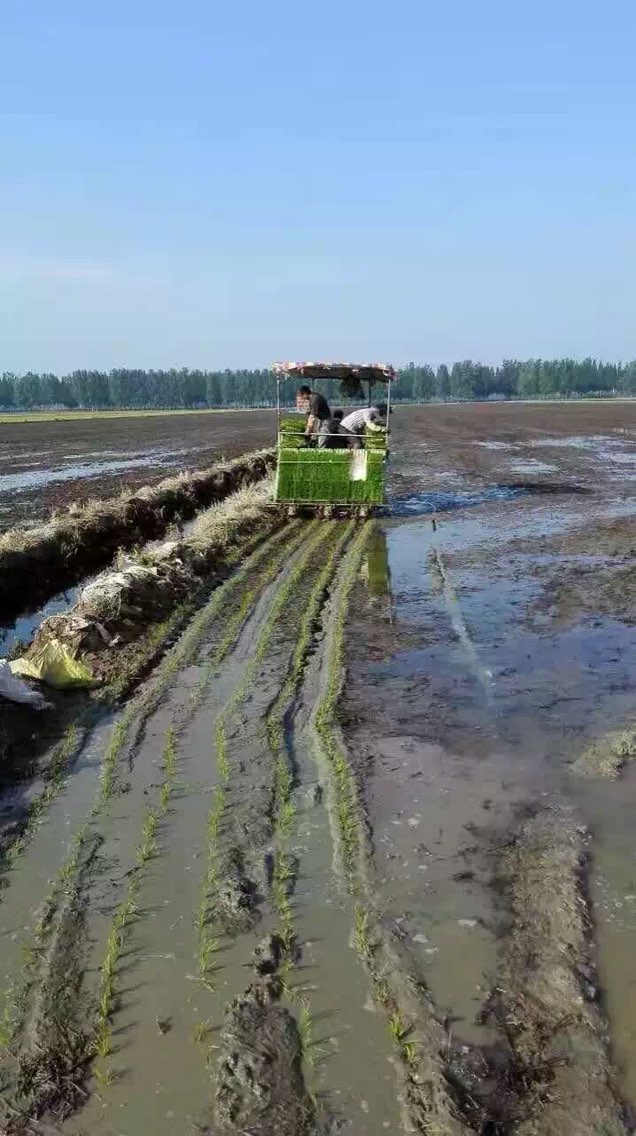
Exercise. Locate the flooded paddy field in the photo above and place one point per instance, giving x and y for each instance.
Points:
(363, 861)
(50, 463)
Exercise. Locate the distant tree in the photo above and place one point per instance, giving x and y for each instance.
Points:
(528, 384)
(442, 382)
(423, 383)
(507, 378)
(184, 388)
(27, 392)
(7, 386)
(462, 380)
(406, 382)
(627, 382)
(212, 389)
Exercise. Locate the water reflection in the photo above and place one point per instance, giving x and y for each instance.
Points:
(418, 504)
(378, 572)
(422, 503)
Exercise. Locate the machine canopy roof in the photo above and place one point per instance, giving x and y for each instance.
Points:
(371, 372)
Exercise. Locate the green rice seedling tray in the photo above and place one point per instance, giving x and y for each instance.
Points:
(292, 432)
(324, 477)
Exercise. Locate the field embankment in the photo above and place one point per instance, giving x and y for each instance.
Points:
(37, 562)
(120, 626)
(47, 465)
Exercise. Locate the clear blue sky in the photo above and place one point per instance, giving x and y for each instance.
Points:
(215, 185)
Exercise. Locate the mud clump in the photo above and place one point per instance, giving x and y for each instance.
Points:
(606, 758)
(558, 1081)
(237, 898)
(261, 1089)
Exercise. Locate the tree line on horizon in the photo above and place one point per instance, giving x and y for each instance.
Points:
(127, 388)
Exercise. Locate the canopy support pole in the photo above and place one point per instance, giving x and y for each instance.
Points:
(388, 407)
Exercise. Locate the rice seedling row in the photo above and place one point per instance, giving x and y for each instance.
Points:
(143, 705)
(208, 941)
(283, 807)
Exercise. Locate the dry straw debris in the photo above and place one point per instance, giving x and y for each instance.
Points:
(606, 758)
(119, 604)
(36, 562)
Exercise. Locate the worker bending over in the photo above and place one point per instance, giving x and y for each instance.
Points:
(367, 417)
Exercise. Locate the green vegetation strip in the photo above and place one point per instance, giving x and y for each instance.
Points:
(81, 415)
(271, 553)
(127, 911)
(351, 832)
(65, 882)
(314, 536)
(15, 1000)
(284, 810)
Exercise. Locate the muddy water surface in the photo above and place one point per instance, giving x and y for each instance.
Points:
(481, 693)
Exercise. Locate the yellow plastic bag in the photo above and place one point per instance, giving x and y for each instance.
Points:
(55, 666)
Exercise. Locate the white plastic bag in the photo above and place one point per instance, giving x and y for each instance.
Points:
(15, 690)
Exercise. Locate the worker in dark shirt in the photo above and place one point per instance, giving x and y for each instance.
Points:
(337, 438)
(316, 407)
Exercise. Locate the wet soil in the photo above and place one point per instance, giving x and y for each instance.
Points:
(470, 969)
(48, 465)
(501, 649)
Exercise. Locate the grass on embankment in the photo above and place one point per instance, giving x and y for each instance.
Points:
(230, 531)
(37, 562)
(117, 607)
